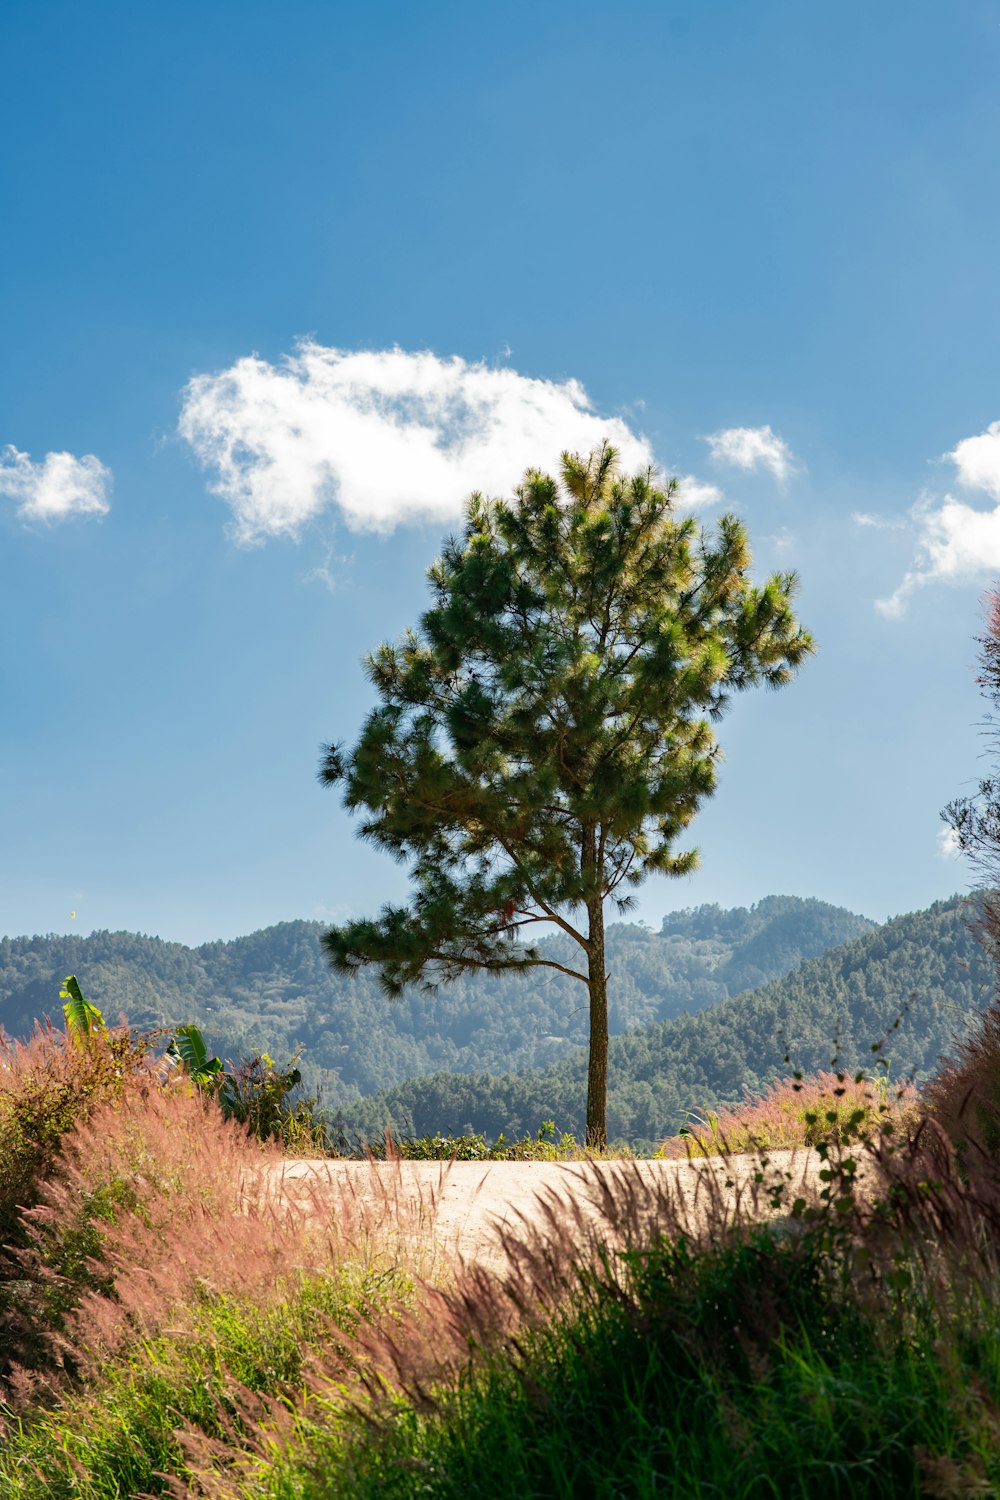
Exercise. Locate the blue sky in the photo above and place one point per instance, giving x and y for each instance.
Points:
(279, 284)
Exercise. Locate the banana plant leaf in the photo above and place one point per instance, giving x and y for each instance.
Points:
(82, 1018)
(188, 1051)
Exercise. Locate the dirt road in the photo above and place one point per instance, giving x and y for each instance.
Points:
(444, 1209)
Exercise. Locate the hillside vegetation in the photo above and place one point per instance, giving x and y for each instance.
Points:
(838, 1003)
(274, 990)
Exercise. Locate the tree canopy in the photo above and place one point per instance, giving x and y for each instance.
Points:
(544, 738)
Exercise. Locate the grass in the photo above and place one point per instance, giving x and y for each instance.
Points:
(180, 1327)
(825, 1354)
(545, 1145)
(664, 1389)
(46, 1084)
(118, 1435)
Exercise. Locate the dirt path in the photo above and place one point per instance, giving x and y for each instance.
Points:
(444, 1209)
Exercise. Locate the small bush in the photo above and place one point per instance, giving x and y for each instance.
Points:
(259, 1094)
(829, 1108)
(255, 1091)
(47, 1085)
(545, 1146)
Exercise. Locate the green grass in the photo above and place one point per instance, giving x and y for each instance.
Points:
(671, 1389)
(116, 1434)
(545, 1145)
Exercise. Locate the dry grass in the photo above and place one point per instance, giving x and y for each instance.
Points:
(158, 1202)
(964, 1097)
(47, 1084)
(827, 1108)
(481, 1371)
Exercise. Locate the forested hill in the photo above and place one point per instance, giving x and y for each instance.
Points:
(841, 1002)
(274, 990)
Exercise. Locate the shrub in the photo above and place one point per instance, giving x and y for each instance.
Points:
(255, 1092)
(258, 1093)
(544, 1146)
(47, 1085)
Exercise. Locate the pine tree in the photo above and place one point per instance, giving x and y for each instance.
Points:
(545, 736)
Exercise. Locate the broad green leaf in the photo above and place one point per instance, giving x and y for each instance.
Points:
(189, 1051)
(82, 1018)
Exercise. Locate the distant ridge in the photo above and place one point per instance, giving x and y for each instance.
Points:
(273, 989)
(842, 1001)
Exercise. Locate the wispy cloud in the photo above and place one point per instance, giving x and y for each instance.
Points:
(752, 448)
(878, 523)
(384, 436)
(956, 542)
(59, 486)
(783, 541)
(948, 845)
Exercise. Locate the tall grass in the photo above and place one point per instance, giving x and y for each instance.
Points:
(46, 1084)
(166, 1279)
(851, 1348)
(189, 1320)
(964, 1096)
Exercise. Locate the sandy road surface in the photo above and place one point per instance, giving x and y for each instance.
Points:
(458, 1207)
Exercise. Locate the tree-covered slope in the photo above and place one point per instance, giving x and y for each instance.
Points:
(274, 990)
(927, 964)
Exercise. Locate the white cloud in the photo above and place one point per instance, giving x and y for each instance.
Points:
(695, 494)
(948, 845)
(977, 460)
(752, 448)
(955, 541)
(384, 435)
(61, 485)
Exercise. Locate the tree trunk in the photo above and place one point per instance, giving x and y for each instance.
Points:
(597, 1067)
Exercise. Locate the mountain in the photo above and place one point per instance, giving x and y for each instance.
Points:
(274, 990)
(925, 971)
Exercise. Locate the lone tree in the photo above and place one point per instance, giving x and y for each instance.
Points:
(545, 736)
